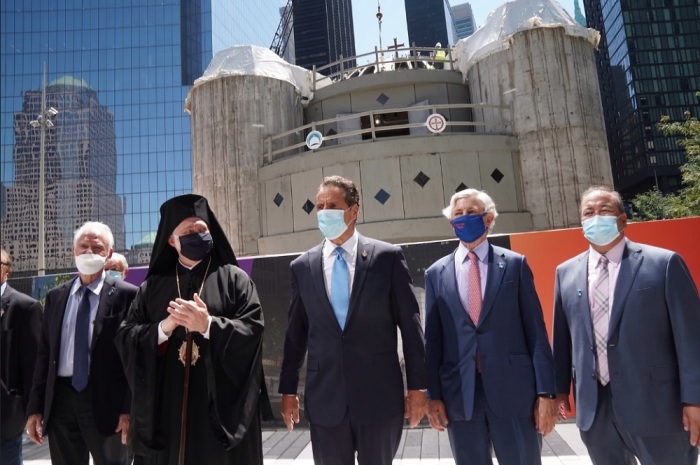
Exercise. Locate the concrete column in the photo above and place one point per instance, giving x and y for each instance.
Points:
(550, 79)
(231, 117)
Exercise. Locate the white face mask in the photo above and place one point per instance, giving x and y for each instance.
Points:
(90, 263)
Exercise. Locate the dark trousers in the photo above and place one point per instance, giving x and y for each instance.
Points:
(73, 435)
(514, 439)
(375, 444)
(609, 444)
(11, 451)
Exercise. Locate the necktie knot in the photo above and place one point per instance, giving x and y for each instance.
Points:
(603, 262)
(339, 250)
(473, 257)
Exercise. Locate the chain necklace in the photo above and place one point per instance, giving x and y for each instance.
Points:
(182, 351)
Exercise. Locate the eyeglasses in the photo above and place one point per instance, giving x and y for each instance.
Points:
(4, 263)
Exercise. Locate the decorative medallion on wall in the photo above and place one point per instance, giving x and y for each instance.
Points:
(461, 187)
(421, 179)
(382, 99)
(497, 175)
(308, 206)
(382, 196)
(278, 199)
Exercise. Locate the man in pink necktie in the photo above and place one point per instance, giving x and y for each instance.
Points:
(490, 366)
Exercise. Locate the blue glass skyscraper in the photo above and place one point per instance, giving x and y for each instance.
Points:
(118, 74)
(648, 66)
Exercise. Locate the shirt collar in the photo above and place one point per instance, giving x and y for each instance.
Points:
(349, 246)
(613, 255)
(481, 251)
(95, 286)
(3, 286)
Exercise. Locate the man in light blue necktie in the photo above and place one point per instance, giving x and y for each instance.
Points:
(349, 295)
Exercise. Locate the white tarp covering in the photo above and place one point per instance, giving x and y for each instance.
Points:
(251, 60)
(511, 17)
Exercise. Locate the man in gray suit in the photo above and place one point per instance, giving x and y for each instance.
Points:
(627, 332)
(350, 293)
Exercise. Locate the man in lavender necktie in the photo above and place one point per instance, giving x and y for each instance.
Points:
(490, 367)
(626, 332)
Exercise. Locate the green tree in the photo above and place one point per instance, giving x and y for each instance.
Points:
(654, 204)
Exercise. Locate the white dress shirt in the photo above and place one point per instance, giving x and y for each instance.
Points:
(349, 254)
(65, 359)
(463, 265)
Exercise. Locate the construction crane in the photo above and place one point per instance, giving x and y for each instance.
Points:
(284, 30)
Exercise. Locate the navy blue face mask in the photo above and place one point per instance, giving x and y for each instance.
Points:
(469, 228)
(196, 246)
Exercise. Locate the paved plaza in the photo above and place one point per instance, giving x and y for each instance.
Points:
(420, 446)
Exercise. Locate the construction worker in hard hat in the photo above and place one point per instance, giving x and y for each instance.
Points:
(439, 56)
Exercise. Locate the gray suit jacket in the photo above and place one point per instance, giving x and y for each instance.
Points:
(355, 369)
(653, 340)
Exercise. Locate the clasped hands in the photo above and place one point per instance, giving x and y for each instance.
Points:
(415, 406)
(190, 314)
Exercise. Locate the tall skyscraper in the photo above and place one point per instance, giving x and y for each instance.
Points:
(323, 31)
(578, 14)
(463, 20)
(119, 73)
(429, 22)
(649, 66)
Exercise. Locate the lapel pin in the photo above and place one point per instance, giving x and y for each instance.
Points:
(111, 291)
(500, 265)
(364, 254)
(578, 292)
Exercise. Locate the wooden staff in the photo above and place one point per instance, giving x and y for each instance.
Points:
(185, 392)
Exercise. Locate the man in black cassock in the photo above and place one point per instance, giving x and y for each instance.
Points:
(193, 285)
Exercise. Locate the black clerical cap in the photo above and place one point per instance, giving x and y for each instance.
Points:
(172, 213)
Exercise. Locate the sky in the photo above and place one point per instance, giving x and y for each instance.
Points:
(394, 20)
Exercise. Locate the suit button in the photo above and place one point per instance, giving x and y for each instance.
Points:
(593, 376)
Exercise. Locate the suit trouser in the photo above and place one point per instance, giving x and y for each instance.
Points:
(514, 439)
(11, 451)
(73, 435)
(610, 444)
(375, 443)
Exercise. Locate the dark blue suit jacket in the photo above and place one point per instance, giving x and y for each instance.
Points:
(653, 340)
(356, 369)
(511, 337)
(110, 392)
(20, 326)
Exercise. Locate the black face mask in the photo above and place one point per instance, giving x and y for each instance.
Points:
(196, 246)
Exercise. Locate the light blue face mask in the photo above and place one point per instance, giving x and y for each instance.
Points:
(332, 223)
(601, 229)
(114, 274)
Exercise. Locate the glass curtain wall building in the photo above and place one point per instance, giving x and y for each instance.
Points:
(118, 73)
(323, 31)
(463, 20)
(649, 66)
(429, 22)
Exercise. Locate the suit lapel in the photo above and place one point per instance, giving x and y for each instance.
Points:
(581, 283)
(103, 308)
(365, 254)
(497, 265)
(60, 306)
(629, 266)
(448, 279)
(318, 281)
